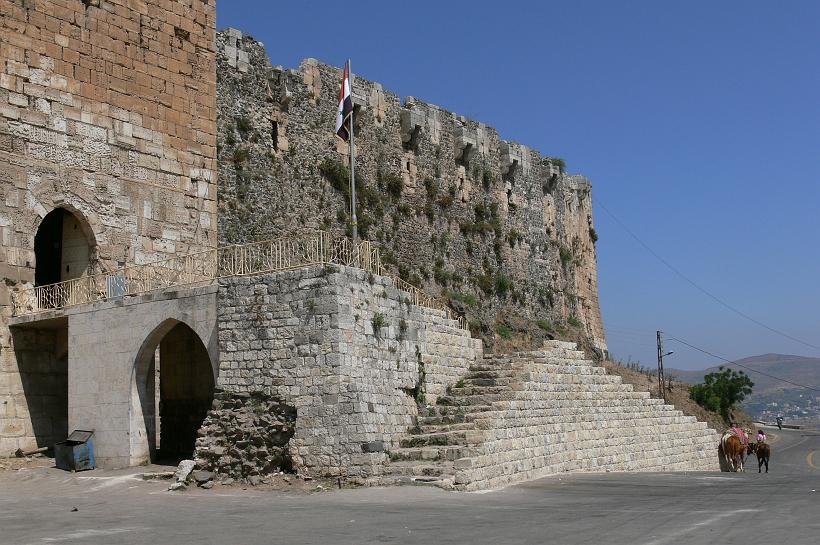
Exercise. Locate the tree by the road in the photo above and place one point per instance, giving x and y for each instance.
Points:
(722, 391)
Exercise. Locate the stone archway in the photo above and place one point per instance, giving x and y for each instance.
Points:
(172, 390)
(63, 247)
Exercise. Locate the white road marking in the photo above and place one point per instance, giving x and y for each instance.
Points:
(110, 481)
(89, 533)
(672, 536)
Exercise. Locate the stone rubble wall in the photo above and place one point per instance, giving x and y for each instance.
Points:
(245, 436)
(455, 208)
(568, 415)
(107, 109)
(307, 337)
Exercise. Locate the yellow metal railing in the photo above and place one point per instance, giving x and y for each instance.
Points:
(203, 267)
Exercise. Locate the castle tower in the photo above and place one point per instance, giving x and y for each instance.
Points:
(107, 159)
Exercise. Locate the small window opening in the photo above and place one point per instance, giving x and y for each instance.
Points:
(509, 176)
(413, 143)
(466, 156)
(274, 134)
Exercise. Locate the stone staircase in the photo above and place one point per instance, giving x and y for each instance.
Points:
(521, 416)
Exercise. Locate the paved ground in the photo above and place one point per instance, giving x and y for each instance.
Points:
(115, 507)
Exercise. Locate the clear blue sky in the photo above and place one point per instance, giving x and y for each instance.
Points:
(698, 124)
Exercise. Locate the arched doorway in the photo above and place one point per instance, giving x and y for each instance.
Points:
(174, 387)
(62, 249)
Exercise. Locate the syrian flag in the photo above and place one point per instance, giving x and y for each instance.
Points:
(345, 107)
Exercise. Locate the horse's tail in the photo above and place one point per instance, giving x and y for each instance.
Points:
(724, 438)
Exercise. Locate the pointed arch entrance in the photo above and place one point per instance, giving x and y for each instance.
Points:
(63, 247)
(173, 389)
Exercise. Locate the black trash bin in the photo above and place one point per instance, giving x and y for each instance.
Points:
(75, 453)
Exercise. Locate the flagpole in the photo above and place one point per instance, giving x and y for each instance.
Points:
(352, 163)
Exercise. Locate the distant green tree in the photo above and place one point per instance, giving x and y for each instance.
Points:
(722, 391)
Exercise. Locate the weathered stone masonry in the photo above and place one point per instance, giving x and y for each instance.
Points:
(107, 110)
(491, 224)
(387, 392)
(348, 351)
(108, 141)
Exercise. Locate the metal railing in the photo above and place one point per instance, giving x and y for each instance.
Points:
(201, 268)
(183, 270)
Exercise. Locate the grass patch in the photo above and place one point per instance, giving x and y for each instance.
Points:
(337, 174)
(503, 284)
(445, 201)
(378, 322)
(486, 282)
(514, 237)
(244, 125)
(558, 162)
(240, 156)
(391, 183)
(466, 298)
(431, 188)
(565, 254)
(503, 331)
(487, 180)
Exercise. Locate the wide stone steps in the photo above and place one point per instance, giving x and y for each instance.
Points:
(414, 468)
(447, 453)
(439, 438)
(455, 410)
(474, 390)
(524, 415)
(455, 400)
(438, 428)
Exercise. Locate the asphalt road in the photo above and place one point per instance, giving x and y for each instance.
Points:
(115, 507)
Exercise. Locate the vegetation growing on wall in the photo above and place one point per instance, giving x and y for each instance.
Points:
(488, 254)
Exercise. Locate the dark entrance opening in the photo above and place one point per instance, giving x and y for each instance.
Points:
(48, 248)
(61, 248)
(177, 393)
(186, 385)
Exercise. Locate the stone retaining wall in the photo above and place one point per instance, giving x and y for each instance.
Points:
(348, 350)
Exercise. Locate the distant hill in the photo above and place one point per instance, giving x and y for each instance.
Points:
(798, 369)
(771, 397)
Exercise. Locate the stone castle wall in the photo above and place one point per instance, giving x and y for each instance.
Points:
(347, 350)
(107, 109)
(495, 226)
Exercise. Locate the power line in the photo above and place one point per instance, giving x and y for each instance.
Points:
(697, 286)
(741, 365)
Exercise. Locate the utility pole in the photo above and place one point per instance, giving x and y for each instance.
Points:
(661, 388)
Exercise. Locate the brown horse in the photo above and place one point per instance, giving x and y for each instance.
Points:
(733, 451)
(763, 452)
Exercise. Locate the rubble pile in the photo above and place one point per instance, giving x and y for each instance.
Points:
(245, 437)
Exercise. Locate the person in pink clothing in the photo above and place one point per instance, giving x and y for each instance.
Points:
(761, 437)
